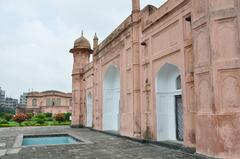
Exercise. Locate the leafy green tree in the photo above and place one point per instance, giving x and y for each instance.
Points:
(40, 116)
(7, 116)
(3, 121)
(4, 109)
(67, 116)
(48, 115)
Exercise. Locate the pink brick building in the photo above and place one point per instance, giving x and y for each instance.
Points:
(167, 73)
(47, 102)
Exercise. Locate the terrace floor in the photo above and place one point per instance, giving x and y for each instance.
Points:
(102, 146)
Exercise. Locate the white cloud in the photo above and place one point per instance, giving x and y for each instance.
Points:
(36, 35)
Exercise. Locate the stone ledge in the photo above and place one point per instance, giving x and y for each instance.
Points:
(76, 126)
(200, 156)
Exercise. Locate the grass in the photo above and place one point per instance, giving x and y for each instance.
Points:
(34, 123)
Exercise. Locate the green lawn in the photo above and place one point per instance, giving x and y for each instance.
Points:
(41, 119)
(34, 123)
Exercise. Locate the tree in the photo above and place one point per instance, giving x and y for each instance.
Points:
(19, 118)
(4, 109)
(48, 115)
(40, 116)
(29, 116)
(7, 116)
(59, 117)
(67, 116)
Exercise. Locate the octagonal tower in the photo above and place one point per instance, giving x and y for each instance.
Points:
(81, 54)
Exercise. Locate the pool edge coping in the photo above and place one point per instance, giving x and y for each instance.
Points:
(19, 140)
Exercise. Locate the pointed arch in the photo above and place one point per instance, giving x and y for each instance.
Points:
(111, 99)
(169, 107)
(89, 121)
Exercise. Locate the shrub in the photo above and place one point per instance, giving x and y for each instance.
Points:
(48, 115)
(7, 116)
(40, 116)
(40, 121)
(28, 123)
(49, 119)
(59, 117)
(29, 116)
(3, 121)
(67, 116)
(19, 118)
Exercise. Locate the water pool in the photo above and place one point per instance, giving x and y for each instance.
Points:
(48, 140)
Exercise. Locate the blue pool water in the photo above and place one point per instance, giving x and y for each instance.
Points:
(48, 140)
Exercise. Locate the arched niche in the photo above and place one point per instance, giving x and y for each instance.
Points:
(89, 110)
(169, 108)
(111, 99)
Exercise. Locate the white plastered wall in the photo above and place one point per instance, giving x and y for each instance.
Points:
(165, 96)
(111, 99)
(89, 110)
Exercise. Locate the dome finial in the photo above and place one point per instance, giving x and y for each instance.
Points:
(95, 36)
(82, 43)
(95, 41)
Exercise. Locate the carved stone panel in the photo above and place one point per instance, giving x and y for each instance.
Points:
(129, 103)
(192, 107)
(230, 90)
(204, 93)
(189, 66)
(226, 39)
(129, 79)
(199, 8)
(202, 47)
(165, 38)
(145, 49)
(128, 57)
(221, 4)
(145, 74)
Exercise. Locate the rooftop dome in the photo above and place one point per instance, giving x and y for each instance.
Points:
(82, 43)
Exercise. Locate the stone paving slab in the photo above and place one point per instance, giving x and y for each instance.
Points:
(13, 151)
(103, 146)
(3, 152)
(2, 145)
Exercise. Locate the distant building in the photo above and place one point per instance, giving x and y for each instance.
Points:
(46, 102)
(2, 96)
(7, 101)
(10, 102)
(23, 99)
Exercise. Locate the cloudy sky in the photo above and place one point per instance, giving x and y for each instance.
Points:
(36, 35)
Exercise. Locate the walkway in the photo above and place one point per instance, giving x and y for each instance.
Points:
(103, 146)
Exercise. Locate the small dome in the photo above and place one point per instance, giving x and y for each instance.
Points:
(82, 43)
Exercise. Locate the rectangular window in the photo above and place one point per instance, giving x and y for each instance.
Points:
(53, 102)
(58, 102)
(48, 102)
(34, 102)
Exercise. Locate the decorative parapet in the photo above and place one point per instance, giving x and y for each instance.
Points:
(50, 92)
(115, 34)
(154, 14)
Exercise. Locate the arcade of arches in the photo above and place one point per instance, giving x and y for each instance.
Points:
(166, 74)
